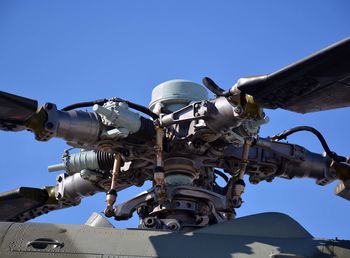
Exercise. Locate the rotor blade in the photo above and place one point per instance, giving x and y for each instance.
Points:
(16, 202)
(26, 203)
(318, 82)
(15, 110)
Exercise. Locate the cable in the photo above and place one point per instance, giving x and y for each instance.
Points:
(320, 137)
(132, 105)
(84, 104)
(142, 109)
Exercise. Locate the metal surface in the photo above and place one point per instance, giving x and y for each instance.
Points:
(262, 235)
(97, 220)
(116, 114)
(73, 188)
(74, 163)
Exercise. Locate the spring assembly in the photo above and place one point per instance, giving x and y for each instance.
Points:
(91, 160)
(105, 160)
(236, 185)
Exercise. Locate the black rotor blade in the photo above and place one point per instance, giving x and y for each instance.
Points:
(16, 202)
(26, 203)
(15, 110)
(318, 82)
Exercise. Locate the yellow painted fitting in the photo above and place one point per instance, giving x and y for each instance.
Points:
(52, 195)
(36, 122)
(252, 109)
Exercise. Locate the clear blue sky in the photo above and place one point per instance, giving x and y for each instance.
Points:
(70, 51)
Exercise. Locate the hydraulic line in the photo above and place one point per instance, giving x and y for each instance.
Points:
(100, 102)
(286, 133)
(84, 104)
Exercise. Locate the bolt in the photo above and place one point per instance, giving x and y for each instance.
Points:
(58, 196)
(150, 222)
(59, 179)
(173, 226)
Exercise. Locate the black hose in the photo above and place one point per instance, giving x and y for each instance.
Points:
(84, 104)
(320, 137)
(142, 109)
(132, 105)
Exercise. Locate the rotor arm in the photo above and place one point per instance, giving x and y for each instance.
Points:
(77, 127)
(112, 121)
(19, 113)
(285, 160)
(86, 129)
(73, 126)
(269, 159)
(297, 161)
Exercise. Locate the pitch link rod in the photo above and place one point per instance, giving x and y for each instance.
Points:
(244, 160)
(159, 173)
(159, 170)
(112, 193)
(236, 185)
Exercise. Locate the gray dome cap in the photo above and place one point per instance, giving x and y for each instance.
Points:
(177, 92)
